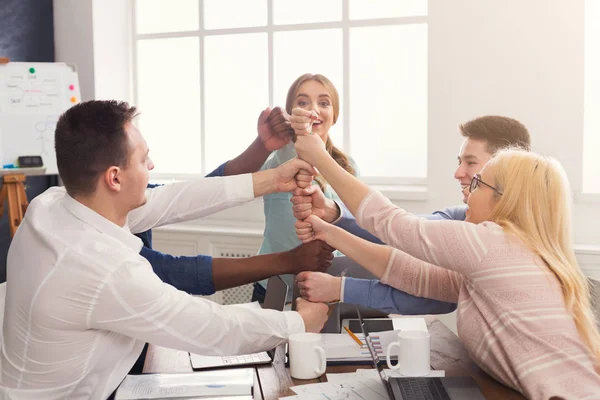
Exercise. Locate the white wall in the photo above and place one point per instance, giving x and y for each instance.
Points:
(517, 58)
(73, 40)
(95, 36)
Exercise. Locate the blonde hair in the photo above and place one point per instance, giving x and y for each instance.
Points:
(536, 207)
(335, 153)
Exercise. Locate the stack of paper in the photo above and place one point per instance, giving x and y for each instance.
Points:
(209, 384)
(359, 385)
(341, 348)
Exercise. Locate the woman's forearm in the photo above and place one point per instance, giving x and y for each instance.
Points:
(373, 257)
(350, 189)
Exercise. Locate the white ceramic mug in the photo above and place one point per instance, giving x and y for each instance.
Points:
(307, 356)
(413, 353)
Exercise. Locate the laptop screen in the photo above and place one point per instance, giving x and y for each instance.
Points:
(378, 366)
(276, 294)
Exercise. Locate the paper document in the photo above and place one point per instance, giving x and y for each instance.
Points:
(358, 390)
(221, 383)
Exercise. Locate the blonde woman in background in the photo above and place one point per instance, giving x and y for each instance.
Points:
(524, 309)
(315, 95)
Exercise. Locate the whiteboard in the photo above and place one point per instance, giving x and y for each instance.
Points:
(32, 98)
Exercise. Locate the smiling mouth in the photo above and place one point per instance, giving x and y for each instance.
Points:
(317, 122)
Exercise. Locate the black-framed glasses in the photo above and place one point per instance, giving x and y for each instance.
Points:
(476, 180)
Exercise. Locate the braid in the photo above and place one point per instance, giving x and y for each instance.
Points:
(339, 157)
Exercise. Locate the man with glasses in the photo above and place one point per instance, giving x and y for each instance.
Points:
(483, 137)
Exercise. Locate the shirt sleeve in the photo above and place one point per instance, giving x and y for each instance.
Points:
(219, 171)
(347, 222)
(183, 201)
(192, 274)
(421, 279)
(374, 294)
(134, 302)
(455, 245)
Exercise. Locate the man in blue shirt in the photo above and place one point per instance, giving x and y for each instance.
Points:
(483, 137)
(203, 275)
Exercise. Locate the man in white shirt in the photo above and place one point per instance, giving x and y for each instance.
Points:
(81, 301)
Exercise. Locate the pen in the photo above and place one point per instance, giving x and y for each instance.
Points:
(341, 274)
(353, 336)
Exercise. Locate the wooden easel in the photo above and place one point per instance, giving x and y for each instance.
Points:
(13, 189)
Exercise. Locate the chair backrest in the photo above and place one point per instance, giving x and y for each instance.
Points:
(595, 292)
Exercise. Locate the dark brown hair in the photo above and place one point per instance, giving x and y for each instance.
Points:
(497, 132)
(336, 154)
(90, 137)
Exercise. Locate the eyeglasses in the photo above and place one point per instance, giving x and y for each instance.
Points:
(475, 184)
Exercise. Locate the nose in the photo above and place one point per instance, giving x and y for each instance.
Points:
(459, 173)
(150, 165)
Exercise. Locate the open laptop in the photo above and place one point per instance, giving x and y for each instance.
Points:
(275, 298)
(459, 388)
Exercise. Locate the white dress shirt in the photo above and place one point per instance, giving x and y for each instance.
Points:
(81, 301)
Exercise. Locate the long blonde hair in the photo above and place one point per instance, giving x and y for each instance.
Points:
(335, 153)
(536, 207)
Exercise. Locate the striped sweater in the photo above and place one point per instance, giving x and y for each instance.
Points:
(512, 316)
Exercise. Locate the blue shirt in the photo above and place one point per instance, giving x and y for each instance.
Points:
(374, 294)
(190, 274)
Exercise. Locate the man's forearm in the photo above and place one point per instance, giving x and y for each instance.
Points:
(348, 223)
(232, 272)
(251, 160)
(264, 182)
(374, 294)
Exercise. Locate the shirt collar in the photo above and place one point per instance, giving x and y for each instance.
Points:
(101, 224)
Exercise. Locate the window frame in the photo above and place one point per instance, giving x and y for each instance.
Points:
(409, 188)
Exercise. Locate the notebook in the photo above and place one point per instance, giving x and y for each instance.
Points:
(341, 348)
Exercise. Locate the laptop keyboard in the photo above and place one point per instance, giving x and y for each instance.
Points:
(246, 359)
(422, 389)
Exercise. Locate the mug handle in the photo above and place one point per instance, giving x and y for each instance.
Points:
(323, 359)
(388, 354)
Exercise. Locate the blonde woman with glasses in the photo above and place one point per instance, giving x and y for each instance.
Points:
(524, 310)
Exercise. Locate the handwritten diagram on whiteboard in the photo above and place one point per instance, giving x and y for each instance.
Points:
(32, 98)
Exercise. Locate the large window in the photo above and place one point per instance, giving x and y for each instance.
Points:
(205, 69)
(591, 138)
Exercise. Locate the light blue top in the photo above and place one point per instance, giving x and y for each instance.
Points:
(280, 234)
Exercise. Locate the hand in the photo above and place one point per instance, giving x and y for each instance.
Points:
(312, 228)
(285, 175)
(311, 200)
(319, 287)
(313, 256)
(274, 128)
(304, 178)
(311, 149)
(301, 121)
(314, 314)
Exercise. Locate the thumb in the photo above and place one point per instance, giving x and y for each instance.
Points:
(313, 220)
(301, 164)
(264, 116)
(308, 190)
(302, 276)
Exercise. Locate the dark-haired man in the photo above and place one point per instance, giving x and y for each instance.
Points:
(483, 137)
(81, 301)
